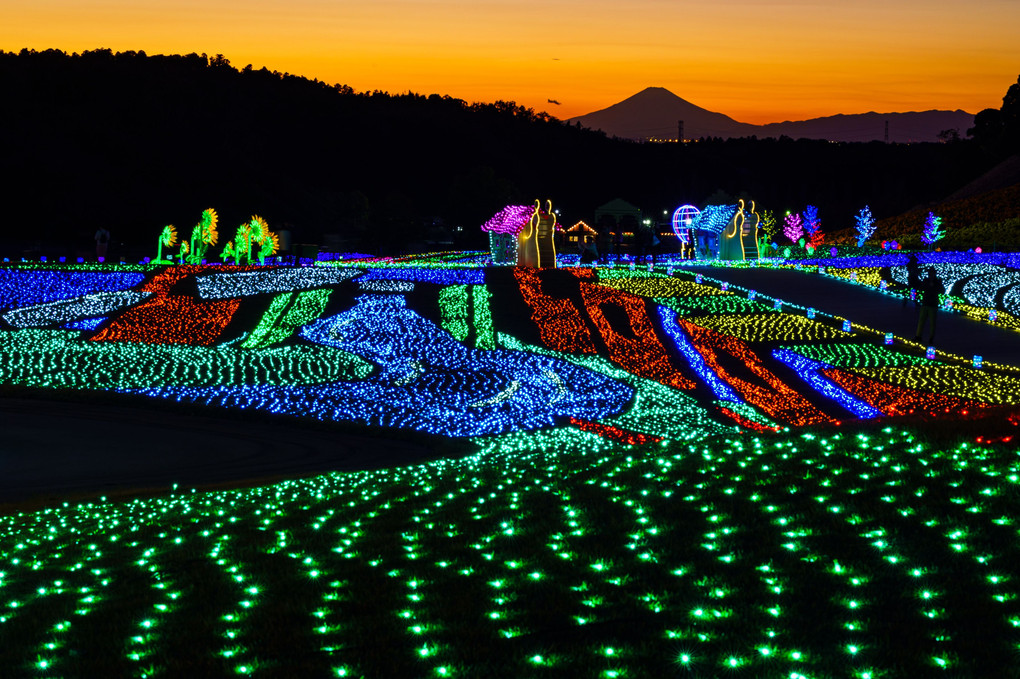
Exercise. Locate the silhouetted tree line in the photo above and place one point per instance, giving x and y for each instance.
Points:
(133, 142)
(997, 130)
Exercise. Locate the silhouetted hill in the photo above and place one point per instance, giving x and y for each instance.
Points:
(654, 112)
(1003, 175)
(134, 142)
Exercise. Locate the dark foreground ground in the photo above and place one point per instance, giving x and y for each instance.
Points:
(56, 450)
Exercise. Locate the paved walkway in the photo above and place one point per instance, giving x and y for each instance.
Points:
(955, 333)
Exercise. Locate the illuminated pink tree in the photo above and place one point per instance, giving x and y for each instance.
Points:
(793, 227)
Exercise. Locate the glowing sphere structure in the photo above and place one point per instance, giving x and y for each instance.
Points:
(683, 219)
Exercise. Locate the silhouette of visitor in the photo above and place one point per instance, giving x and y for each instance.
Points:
(913, 278)
(929, 305)
(102, 241)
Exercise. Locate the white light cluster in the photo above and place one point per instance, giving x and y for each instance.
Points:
(385, 286)
(68, 310)
(247, 283)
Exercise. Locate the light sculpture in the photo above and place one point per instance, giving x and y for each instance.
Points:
(203, 236)
(933, 231)
(684, 219)
(504, 228)
(536, 246)
(793, 227)
(865, 225)
(167, 238)
(812, 226)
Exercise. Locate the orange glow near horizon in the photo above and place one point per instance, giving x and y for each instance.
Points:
(757, 61)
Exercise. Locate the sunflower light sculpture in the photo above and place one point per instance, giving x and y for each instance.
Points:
(203, 236)
(167, 238)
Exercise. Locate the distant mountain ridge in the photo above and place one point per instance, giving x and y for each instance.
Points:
(653, 114)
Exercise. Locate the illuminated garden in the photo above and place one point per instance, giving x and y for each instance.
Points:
(667, 475)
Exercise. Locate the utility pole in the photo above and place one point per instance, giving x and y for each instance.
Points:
(680, 131)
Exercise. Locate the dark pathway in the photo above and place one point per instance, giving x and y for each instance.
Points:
(955, 333)
(54, 449)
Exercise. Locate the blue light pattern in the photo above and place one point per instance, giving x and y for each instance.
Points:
(87, 324)
(423, 275)
(24, 287)
(721, 390)
(67, 310)
(715, 218)
(426, 380)
(810, 371)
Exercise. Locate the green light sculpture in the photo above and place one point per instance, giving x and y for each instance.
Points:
(167, 238)
(203, 236)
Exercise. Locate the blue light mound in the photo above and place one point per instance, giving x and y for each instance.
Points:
(426, 380)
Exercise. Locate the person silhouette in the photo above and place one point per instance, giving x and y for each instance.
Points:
(929, 305)
(102, 241)
(913, 278)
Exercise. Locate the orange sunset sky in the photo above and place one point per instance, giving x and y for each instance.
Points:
(758, 61)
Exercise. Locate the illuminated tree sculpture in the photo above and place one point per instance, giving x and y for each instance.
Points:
(770, 225)
(813, 226)
(933, 230)
(203, 236)
(793, 228)
(865, 225)
(167, 238)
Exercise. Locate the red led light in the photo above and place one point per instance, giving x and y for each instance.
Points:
(560, 323)
(643, 354)
(612, 433)
(896, 400)
(777, 399)
(172, 319)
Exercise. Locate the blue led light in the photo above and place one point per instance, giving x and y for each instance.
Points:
(25, 287)
(423, 275)
(721, 390)
(68, 310)
(810, 369)
(427, 381)
(245, 283)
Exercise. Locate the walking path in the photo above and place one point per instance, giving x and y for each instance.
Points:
(884, 312)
